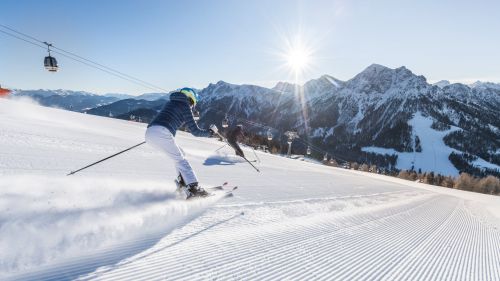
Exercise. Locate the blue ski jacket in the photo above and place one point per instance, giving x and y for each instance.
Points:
(176, 113)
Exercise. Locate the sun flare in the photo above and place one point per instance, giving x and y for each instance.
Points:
(298, 59)
(297, 55)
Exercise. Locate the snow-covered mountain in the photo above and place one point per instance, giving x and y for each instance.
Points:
(123, 109)
(119, 220)
(369, 118)
(119, 96)
(312, 89)
(151, 96)
(47, 93)
(80, 100)
(374, 109)
(441, 84)
(66, 99)
(484, 85)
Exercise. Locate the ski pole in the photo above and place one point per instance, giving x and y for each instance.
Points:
(238, 155)
(220, 147)
(250, 164)
(254, 153)
(74, 172)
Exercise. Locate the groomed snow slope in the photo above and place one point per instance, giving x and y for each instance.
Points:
(294, 221)
(434, 154)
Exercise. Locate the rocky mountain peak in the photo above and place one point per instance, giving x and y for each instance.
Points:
(379, 80)
(286, 87)
(441, 84)
(485, 85)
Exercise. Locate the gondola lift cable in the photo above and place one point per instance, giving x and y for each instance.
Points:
(118, 74)
(80, 59)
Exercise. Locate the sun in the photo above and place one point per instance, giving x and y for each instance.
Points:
(298, 59)
(297, 56)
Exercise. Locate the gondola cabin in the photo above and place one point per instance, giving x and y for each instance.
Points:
(50, 63)
(269, 135)
(225, 123)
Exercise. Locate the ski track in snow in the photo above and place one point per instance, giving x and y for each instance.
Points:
(294, 221)
(367, 245)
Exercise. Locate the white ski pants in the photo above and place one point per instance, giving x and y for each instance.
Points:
(161, 138)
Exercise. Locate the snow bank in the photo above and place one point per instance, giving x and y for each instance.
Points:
(48, 220)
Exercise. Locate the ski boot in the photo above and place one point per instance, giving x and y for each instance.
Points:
(193, 191)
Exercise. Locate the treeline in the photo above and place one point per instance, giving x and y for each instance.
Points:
(488, 185)
(484, 181)
(462, 162)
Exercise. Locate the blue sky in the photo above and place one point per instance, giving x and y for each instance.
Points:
(173, 44)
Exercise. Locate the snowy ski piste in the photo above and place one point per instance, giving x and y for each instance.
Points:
(120, 220)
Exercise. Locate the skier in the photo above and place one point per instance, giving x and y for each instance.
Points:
(233, 136)
(161, 135)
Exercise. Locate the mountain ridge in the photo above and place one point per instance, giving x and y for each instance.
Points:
(372, 109)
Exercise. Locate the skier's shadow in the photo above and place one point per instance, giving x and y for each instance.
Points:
(218, 160)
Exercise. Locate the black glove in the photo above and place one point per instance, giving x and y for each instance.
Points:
(239, 152)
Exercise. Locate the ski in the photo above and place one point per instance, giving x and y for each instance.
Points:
(228, 192)
(219, 187)
(225, 192)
